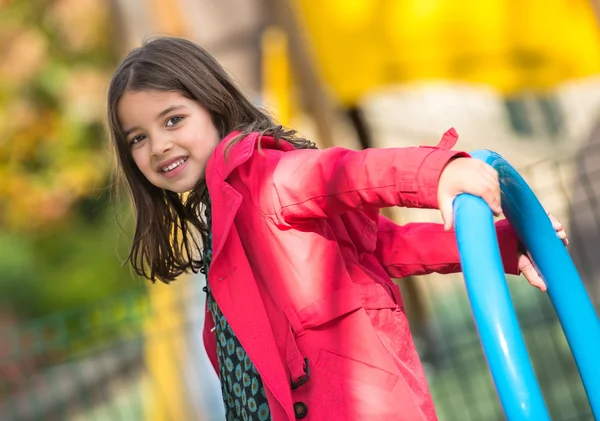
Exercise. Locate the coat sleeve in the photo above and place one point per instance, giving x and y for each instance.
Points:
(311, 183)
(422, 248)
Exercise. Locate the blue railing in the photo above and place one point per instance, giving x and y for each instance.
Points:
(492, 307)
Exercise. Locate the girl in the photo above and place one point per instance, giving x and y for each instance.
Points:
(305, 321)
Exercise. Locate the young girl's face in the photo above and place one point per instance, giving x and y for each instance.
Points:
(171, 137)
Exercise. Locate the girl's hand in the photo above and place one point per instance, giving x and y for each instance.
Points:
(526, 266)
(467, 175)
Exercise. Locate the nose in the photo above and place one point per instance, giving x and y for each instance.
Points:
(161, 144)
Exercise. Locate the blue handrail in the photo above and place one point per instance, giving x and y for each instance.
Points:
(492, 306)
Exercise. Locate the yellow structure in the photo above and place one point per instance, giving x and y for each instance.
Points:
(166, 343)
(276, 75)
(514, 46)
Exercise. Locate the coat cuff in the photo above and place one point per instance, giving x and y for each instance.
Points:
(509, 247)
(429, 173)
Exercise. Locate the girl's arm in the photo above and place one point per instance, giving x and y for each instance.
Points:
(313, 183)
(422, 248)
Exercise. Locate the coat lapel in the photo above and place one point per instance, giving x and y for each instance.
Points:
(222, 195)
(230, 274)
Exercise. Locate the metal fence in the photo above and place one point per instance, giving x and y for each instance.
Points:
(135, 357)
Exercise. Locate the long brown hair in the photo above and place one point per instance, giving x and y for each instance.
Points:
(165, 242)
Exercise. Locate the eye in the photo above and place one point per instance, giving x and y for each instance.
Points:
(173, 121)
(136, 139)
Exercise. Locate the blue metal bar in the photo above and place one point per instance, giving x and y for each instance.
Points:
(494, 313)
(492, 308)
(567, 292)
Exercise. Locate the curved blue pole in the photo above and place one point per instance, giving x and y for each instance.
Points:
(494, 313)
(565, 288)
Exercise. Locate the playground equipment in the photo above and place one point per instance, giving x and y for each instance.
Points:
(492, 307)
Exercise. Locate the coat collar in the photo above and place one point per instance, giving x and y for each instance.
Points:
(223, 196)
(225, 160)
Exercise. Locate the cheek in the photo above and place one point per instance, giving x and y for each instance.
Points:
(204, 154)
(140, 160)
(202, 148)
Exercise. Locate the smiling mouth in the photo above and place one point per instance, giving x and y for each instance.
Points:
(173, 165)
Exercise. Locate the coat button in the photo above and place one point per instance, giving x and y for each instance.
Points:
(300, 410)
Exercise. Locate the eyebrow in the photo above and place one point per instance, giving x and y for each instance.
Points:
(161, 114)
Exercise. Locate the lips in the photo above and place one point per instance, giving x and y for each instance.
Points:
(173, 168)
(170, 164)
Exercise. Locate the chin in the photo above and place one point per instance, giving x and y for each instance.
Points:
(187, 187)
(181, 190)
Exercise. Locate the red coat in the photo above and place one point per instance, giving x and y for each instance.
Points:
(301, 270)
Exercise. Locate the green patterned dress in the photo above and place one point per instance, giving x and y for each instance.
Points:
(243, 391)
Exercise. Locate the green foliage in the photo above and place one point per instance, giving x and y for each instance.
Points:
(71, 265)
(59, 241)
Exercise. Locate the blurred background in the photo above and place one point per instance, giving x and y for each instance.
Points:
(83, 339)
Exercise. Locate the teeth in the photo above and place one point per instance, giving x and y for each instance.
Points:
(174, 165)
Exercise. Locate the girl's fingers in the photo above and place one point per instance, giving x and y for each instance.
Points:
(555, 223)
(538, 282)
(558, 227)
(494, 199)
(533, 277)
(490, 170)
